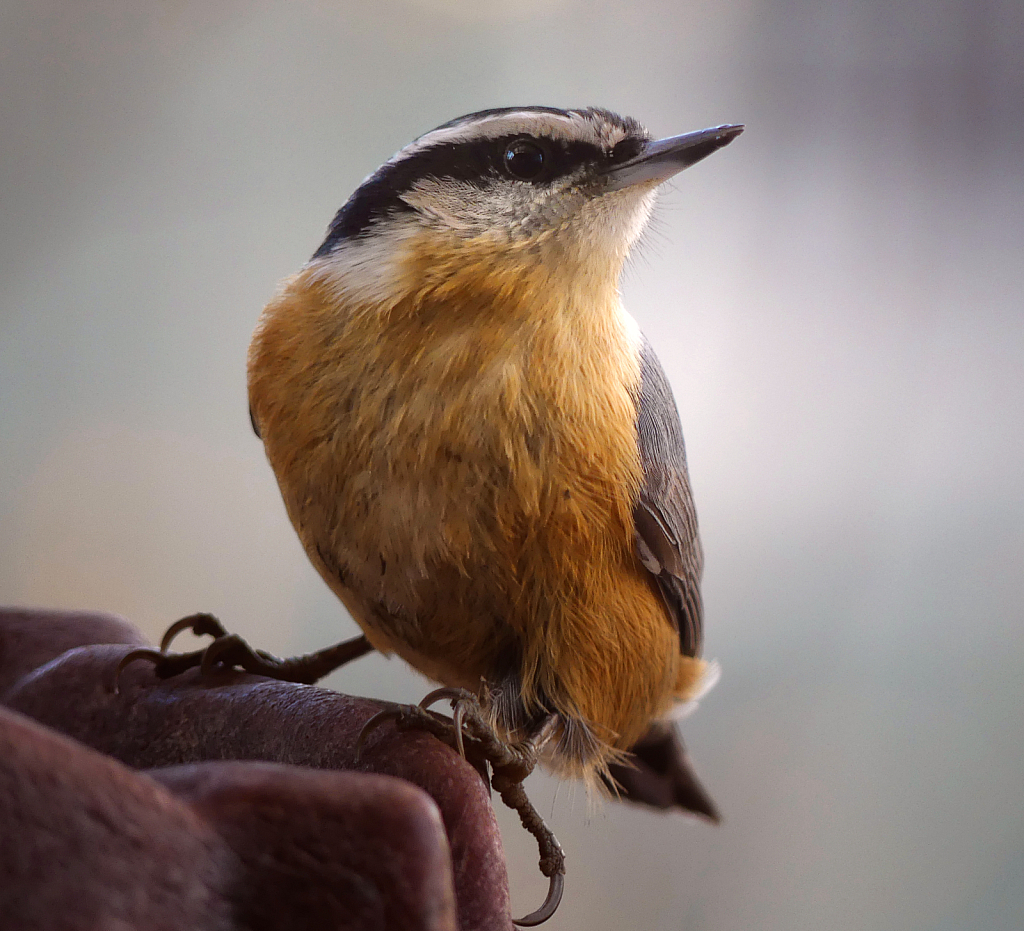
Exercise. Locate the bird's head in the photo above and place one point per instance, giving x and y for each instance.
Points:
(503, 193)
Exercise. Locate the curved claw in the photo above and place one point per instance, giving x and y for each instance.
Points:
(200, 624)
(372, 724)
(155, 656)
(453, 695)
(460, 711)
(459, 699)
(548, 908)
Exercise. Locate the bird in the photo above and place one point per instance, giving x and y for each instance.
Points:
(481, 452)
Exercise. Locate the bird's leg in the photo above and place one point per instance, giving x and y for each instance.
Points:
(510, 762)
(229, 650)
(507, 780)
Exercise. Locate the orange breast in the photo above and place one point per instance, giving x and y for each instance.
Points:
(461, 467)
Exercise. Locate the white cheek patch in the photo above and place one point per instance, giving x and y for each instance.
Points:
(609, 224)
(468, 209)
(504, 209)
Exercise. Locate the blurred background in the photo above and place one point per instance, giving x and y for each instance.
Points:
(838, 299)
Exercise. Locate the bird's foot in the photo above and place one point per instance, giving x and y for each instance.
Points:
(470, 731)
(229, 651)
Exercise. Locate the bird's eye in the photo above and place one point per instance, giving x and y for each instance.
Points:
(524, 160)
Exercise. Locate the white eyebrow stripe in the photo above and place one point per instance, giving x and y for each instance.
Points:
(571, 127)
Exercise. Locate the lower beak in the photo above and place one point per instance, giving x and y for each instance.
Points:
(663, 158)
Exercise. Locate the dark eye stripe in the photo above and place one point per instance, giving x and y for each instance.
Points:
(628, 148)
(474, 162)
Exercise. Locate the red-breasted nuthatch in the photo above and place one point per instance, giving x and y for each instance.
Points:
(481, 453)
(479, 450)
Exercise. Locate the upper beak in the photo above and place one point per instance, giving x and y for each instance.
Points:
(662, 158)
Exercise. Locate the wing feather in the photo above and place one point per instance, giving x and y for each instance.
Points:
(664, 518)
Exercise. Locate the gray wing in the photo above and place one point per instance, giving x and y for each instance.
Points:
(664, 518)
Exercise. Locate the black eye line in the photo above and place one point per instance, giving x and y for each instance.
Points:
(561, 158)
(625, 149)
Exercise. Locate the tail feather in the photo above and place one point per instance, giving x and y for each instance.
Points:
(659, 773)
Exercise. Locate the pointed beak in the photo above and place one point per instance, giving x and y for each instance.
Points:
(663, 158)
